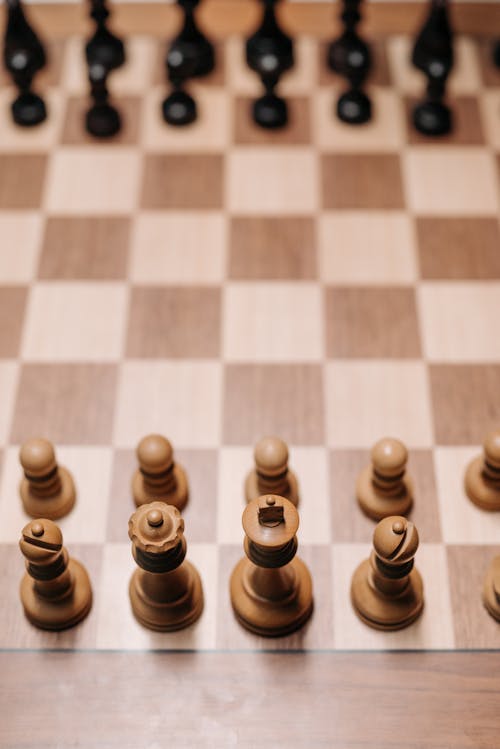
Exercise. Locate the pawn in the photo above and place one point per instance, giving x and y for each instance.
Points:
(102, 119)
(383, 488)
(47, 489)
(271, 474)
(24, 55)
(103, 48)
(386, 589)
(179, 107)
(269, 52)
(482, 477)
(165, 591)
(159, 476)
(271, 590)
(55, 591)
(491, 589)
(433, 55)
(350, 57)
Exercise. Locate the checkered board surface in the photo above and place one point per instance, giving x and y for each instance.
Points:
(218, 283)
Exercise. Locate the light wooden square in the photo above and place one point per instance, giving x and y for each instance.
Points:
(117, 628)
(21, 235)
(181, 399)
(370, 399)
(41, 138)
(273, 322)
(299, 80)
(367, 247)
(272, 181)
(458, 181)
(462, 522)
(210, 132)
(178, 248)
(8, 382)
(459, 321)
(75, 321)
(132, 78)
(465, 77)
(434, 628)
(86, 523)
(89, 180)
(310, 466)
(489, 101)
(384, 132)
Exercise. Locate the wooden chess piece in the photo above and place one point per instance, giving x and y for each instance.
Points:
(269, 52)
(103, 48)
(386, 589)
(165, 591)
(179, 107)
(433, 55)
(102, 119)
(271, 474)
(55, 591)
(159, 477)
(482, 477)
(491, 589)
(496, 53)
(350, 57)
(24, 55)
(271, 591)
(47, 489)
(383, 488)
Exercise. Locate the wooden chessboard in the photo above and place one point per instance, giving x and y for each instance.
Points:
(328, 284)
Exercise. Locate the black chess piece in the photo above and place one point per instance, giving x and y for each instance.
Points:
(179, 108)
(103, 47)
(496, 53)
(192, 43)
(269, 52)
(24, 56)
(350, 57)
(102, 119)
(433, 55)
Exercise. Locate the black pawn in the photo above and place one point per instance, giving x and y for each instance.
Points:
(433, 55)
(192, 43)
(102, 119)
(496, 54)
(179, 108)
(103, 48)
(269, 52)
(350, 57)
(24, 56)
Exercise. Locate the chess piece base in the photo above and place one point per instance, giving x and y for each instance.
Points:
(271, 618)
(252, 488)
(178, 498)
(28, 110)
(171, 616)
(480, 492)
(490, 601)
(354, 107)
(270, 112)
(102, 121)
(56, 615)
(432, 118)
(377, 505)
(51, 508)
(386, 612)
(179, 109)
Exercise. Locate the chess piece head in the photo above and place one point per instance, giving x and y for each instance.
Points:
(395, 540)
(179, 109)
(37, 458)
(270, 523)
(492, 449)
(271, 456)
(40, 540)
(354, 107)
(389, 457)
(156, 528)
(155, 454)
(28, 109)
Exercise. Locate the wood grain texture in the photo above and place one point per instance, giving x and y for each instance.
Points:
(342, 701)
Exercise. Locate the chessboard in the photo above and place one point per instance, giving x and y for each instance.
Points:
(217, 283)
